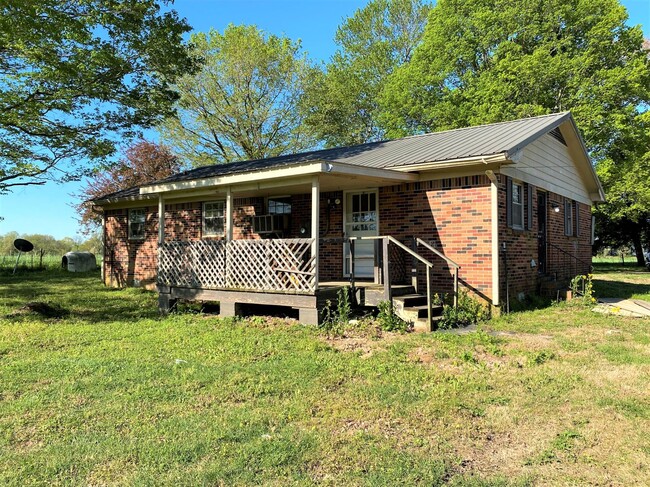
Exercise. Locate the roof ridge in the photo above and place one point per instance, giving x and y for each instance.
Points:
(491, 124)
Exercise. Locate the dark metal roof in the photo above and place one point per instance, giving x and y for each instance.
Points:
(125, 194)
(478, 141)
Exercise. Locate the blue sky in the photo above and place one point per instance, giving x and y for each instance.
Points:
(47, 209)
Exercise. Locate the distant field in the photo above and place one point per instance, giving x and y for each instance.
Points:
(31, 261)
(97, 389)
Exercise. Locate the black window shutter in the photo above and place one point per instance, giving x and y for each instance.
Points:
(529, 206)
(577, 205)
(509, 202)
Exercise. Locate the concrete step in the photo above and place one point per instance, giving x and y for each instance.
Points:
(372, 296)
(422, 326)
(416, 312)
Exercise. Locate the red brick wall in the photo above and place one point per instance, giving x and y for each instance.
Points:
(133, 262)
(453, 214)
(522, 245)
(331, 230)
(130, 262)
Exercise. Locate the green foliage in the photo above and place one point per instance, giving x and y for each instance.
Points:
(468, 311)
(583, 286)
(388, 320)
(335, 322)
(143, 162)
(243, 103)
(80, 77)
(483, 61)
(342, 104)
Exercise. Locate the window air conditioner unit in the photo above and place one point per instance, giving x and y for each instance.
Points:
(270, 223)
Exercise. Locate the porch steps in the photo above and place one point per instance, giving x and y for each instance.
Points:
(551, 287)
(412, 308)
(407, 304)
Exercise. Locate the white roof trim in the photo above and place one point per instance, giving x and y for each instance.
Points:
(285, 172)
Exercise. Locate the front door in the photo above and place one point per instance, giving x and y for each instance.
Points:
(541, 231)
(361, 220)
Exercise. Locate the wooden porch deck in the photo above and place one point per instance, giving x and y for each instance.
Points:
(310, 306)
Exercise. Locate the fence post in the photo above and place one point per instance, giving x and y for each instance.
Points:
(455, 287)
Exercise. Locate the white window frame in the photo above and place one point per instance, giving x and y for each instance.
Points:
(204, 216)
(141, 215)
(283, 203)
(569, 229)
(517, 207)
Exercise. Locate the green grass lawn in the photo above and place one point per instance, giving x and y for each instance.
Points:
(108, 393)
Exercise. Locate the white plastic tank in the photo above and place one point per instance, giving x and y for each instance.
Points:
(79, 261)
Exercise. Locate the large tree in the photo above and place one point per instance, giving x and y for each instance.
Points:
(143, 162)
(243, 103)
(342, 103)
(79, 76)
(484, 61)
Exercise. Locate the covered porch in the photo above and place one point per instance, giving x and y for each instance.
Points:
(241, 268)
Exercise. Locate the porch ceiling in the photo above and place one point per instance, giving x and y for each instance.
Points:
(294, 180)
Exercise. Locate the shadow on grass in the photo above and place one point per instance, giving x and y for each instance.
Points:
(628, 267)
(618, 289)
(83, 296)
(616, 280)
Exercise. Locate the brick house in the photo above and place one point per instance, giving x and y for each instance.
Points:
(499, 210)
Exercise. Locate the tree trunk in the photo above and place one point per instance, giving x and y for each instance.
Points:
(638, 249)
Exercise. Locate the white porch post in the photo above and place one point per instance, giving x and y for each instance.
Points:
(315, 223)
(494, 196)
(161, 220)
(228, 214)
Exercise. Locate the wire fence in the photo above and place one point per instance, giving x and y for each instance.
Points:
(33, 261)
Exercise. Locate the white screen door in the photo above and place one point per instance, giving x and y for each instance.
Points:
(361, 220)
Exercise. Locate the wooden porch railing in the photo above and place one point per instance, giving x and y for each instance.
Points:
(449, 262)
(274, 265)
(387, 240)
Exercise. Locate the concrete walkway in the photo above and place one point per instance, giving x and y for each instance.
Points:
(636, 308)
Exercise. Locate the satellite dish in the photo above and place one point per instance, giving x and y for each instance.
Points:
(23, 245)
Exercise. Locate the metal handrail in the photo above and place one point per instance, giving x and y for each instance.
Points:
(577, 259)
(387, 290)
(450, 262)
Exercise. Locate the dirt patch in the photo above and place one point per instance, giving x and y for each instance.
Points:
(367, 345)
(42, 309)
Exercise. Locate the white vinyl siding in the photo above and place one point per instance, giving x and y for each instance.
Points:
(546, 163)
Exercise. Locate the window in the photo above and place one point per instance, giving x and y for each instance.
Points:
(137, 217)
(517, 205)
(363, 216)
(213, 218)
(279, 206)
(568, 218)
